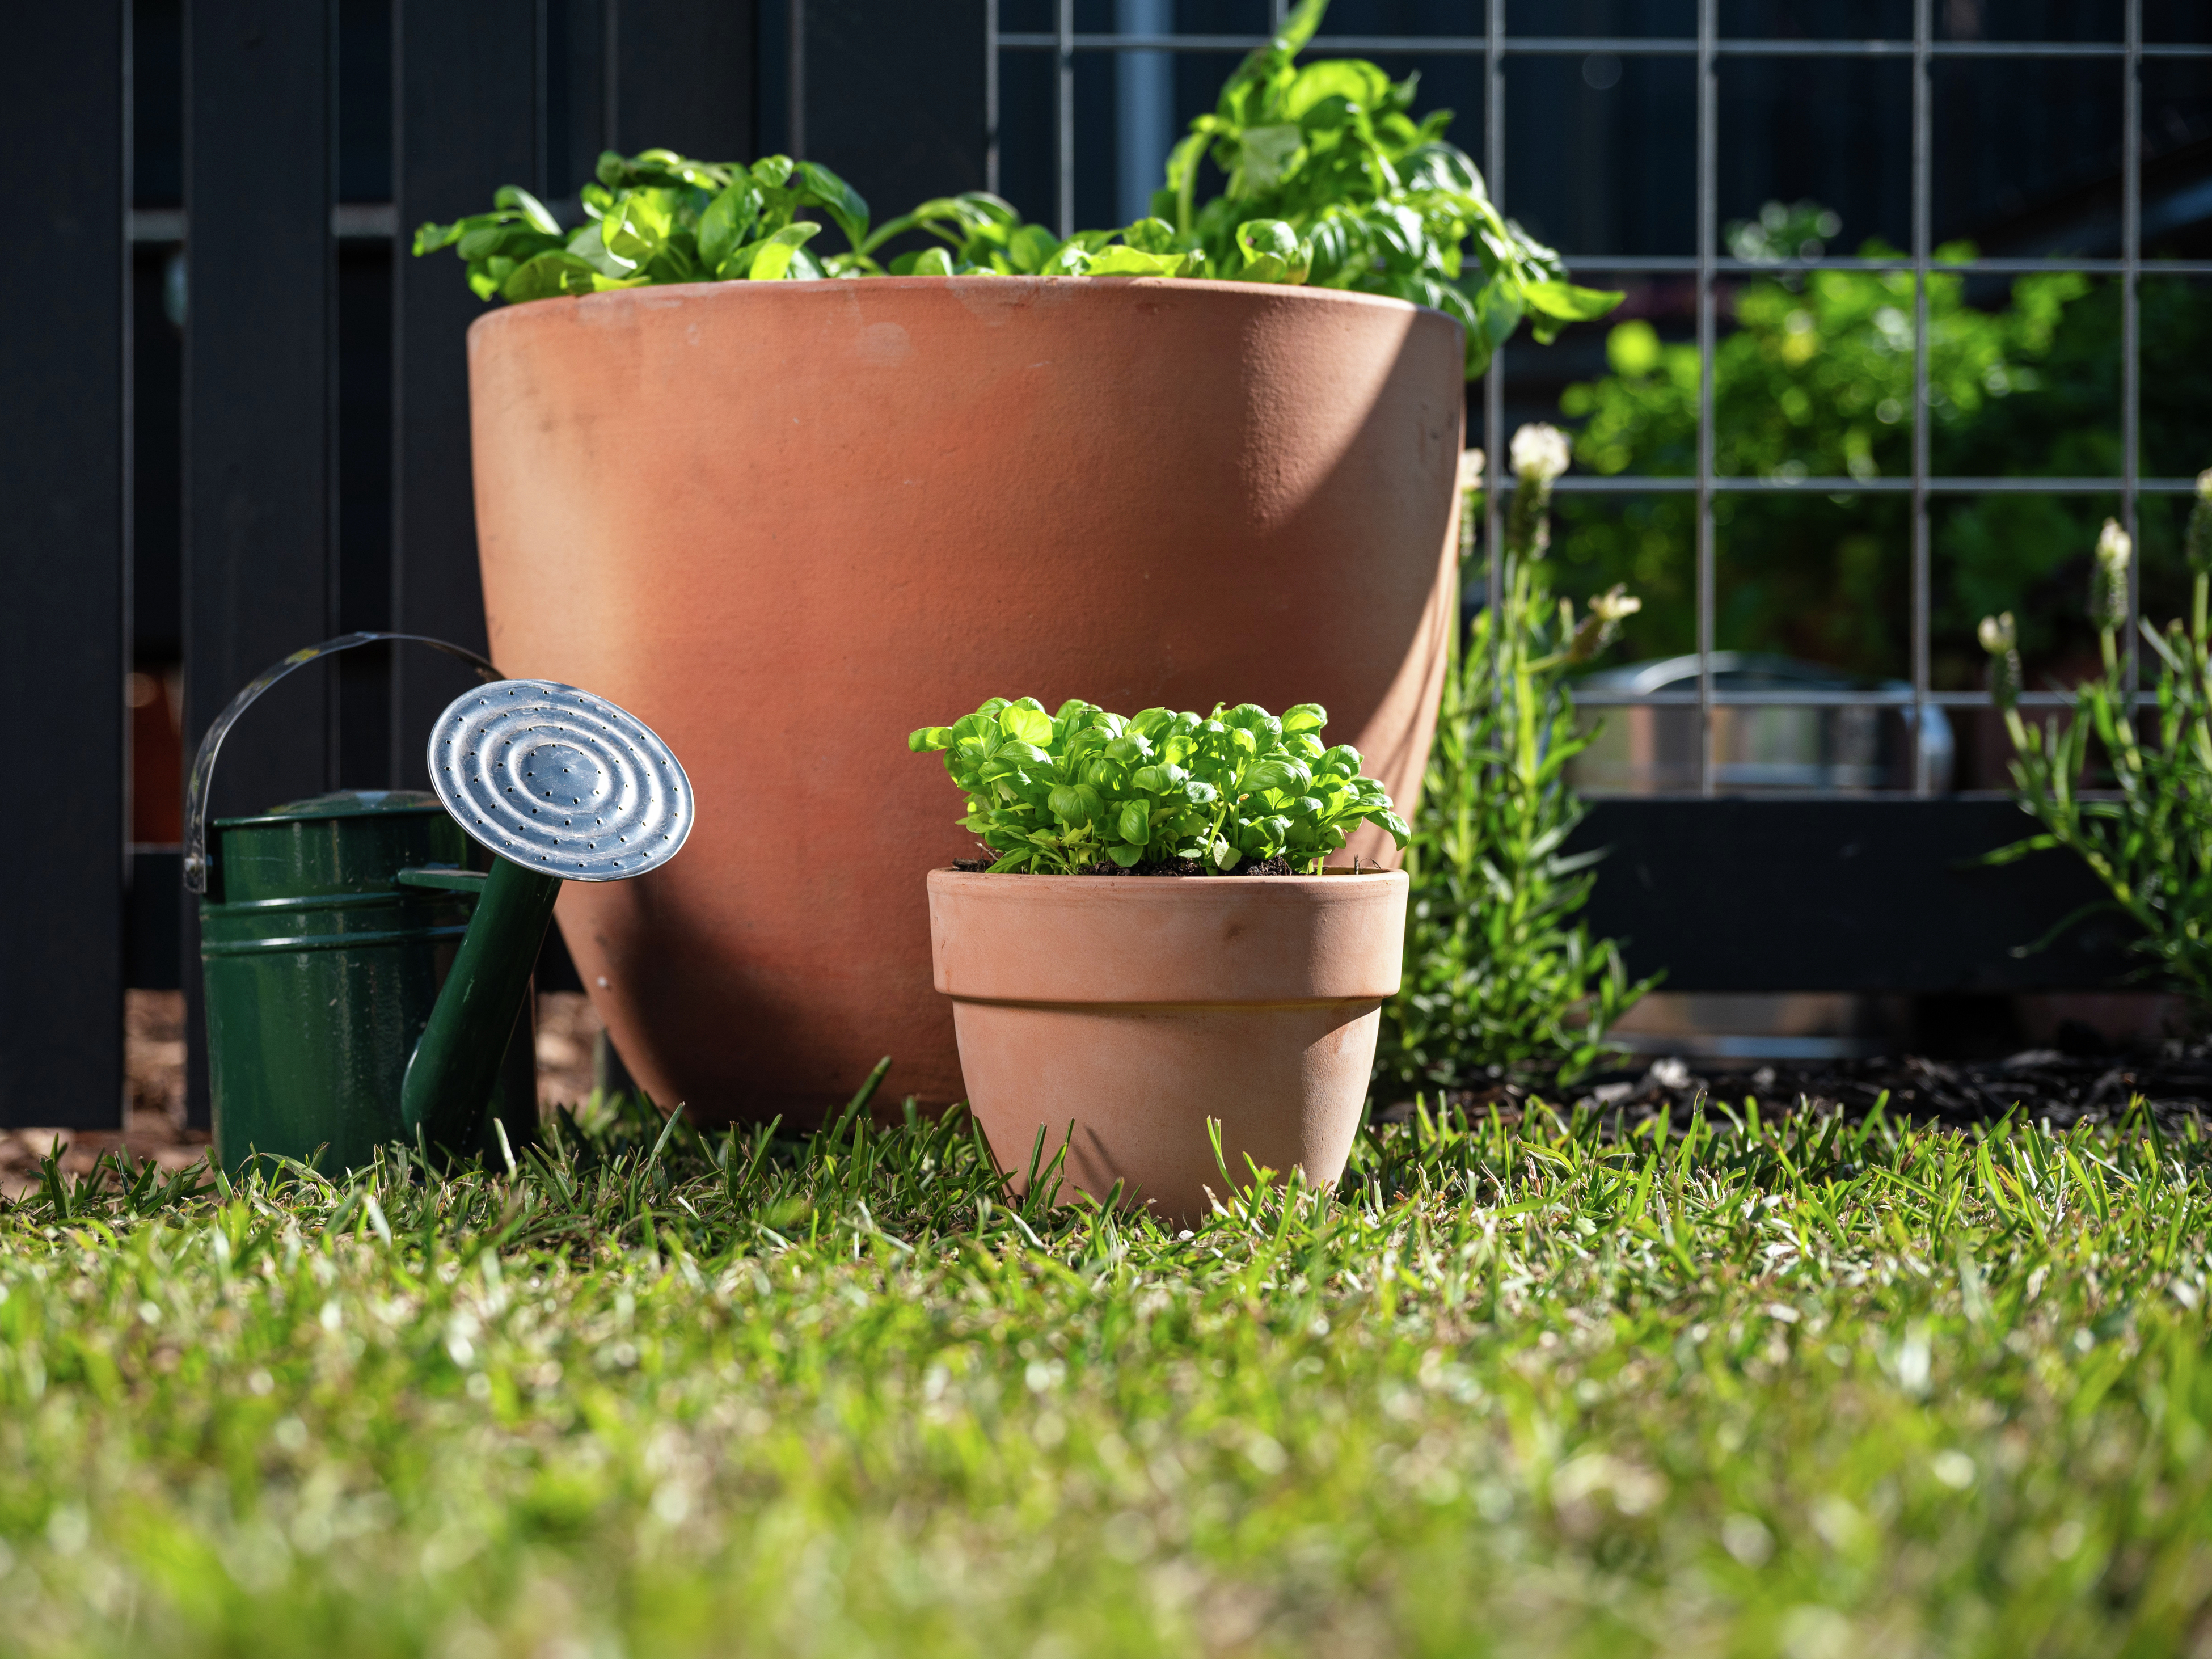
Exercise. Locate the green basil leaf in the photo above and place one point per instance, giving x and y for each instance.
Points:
(1027, 721)
(1273, 252)
(1151, 236)
(923, 262)
(772, 257)
(1131, 261)
(1028, 249)
(1568, 303)
(637, 226)
(483, 241)
(1361, 84)
(430, 236)
(722, 227)
(1264, 155)
(549, 274)
(771, 262)
(1077, 805)
(838, 199)
(532, 210)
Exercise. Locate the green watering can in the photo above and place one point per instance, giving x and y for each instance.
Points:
(367, 954)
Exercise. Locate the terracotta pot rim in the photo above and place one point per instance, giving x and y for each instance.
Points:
(1216, 941)
(1333, 878)
(729, 293)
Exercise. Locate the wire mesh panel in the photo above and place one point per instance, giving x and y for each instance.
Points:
(2010, 77)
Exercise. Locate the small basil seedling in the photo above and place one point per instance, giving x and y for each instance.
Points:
(1057, 794)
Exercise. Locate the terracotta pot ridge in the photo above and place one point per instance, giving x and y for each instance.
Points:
(979, 295)
(1187, 941)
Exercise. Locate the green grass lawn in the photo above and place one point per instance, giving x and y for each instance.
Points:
(1805, 1388)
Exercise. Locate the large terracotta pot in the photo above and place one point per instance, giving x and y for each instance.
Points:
(1117, 1016)
(785, 523)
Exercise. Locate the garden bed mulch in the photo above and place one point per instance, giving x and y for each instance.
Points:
(153, 1070)
(2038, 1084)
(2041, 1085)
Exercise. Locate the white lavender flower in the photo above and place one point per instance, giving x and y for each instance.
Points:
(1616, 604)
(1540, 455)
(1539, 452)
(1607, 610)
(1470, 517)
(2001, 640)
(2108, 582)
(2196, 543)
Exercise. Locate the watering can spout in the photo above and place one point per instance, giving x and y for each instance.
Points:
(561, 786)
(451, 1073)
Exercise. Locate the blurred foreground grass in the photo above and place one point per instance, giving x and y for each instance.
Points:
(1731, 1386)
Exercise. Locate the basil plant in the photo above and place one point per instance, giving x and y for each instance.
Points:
(660, 217)
(1366, 197)
(1059, 794)
(1328, 181)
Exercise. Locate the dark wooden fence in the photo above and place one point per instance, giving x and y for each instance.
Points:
(292, 388)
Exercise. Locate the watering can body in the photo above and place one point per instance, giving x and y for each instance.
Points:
(364, 983)
(331, 927)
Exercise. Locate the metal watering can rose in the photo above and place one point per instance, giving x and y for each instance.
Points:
(367, 954)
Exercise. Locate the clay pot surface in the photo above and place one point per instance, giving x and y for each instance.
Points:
(1117, 1014)
(786, 523)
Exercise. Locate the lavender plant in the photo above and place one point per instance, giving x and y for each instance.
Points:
(2148, 841)
(1502, 977)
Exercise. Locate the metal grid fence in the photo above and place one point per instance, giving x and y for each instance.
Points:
(1494, 45)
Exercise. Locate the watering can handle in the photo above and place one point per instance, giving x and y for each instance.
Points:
(196, 793)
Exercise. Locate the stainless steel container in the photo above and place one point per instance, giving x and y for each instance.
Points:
(1818, 738)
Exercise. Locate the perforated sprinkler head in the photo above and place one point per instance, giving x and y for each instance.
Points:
(560, 781)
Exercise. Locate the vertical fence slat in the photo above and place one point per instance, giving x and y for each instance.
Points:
(683, 73)
(898, 98)
(260, 415)
(1708, 553)
(465, 121)
(1063, 95)
(61, 472)
(1923, 412)
(2131, 332)
(1493, 378)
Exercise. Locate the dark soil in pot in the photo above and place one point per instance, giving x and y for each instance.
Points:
(1152, 867)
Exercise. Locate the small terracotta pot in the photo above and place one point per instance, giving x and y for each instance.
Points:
(1131, 1010)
